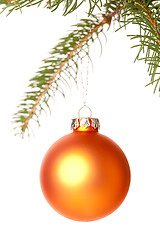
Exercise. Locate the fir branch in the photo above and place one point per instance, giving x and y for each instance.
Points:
(62, 63)
(68, 5)
(50, 74)
(151, 19)
(146, 14)
(12, 5)
(55, 69)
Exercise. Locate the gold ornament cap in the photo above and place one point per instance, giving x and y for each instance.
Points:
(85, 124)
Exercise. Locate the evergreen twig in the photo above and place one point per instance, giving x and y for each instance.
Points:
(62, 63)
(51, 73)
(68, 5)
(146, 14)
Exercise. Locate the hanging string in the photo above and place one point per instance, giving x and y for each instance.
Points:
(84, 82)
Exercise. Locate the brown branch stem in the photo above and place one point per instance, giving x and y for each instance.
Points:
(151, 19)
(106, 19)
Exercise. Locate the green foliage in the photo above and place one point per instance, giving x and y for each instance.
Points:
(112, 5)
(68, 5)
(12, 5)
(62, 65)
(57, 71)
(146, 14)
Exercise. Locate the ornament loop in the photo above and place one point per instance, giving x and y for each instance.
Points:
(83, 108)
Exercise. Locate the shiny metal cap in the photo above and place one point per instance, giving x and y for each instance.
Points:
(85, 123)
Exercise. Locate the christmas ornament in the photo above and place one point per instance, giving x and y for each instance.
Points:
(85, 175)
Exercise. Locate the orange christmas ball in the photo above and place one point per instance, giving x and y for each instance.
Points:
(85, 176)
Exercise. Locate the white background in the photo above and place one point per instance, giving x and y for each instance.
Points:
(128, 112)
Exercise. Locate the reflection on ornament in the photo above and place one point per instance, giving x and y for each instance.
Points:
(73, 169)
(85, 176)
